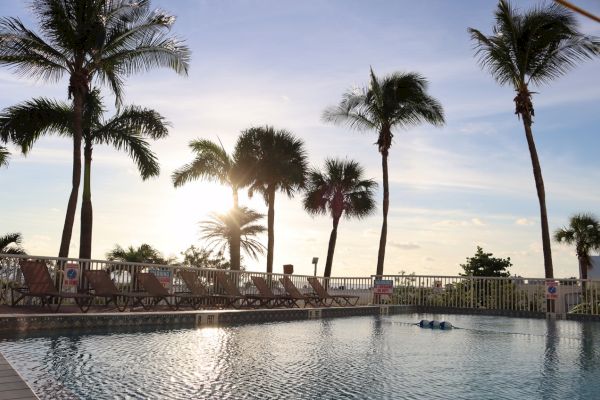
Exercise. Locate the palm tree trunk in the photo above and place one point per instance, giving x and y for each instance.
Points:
(78, 100)
(270, 227)
(85, 240)
(524, 109)
(386, 204)
(234, 244)
(331, 248)
(539, 185)
(583, 266)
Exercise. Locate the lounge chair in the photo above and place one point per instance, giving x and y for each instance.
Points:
(39, 284)
(296, 295)
(340, 299)
(103, 286)
(157, 292)
(198, 293)
(231, 289)
(275, 299)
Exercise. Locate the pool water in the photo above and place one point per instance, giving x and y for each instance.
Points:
(343, 358)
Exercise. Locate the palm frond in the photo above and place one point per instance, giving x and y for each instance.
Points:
(211, 163)
(399, 100)
(4, 156)
(136, 146)
(24, 123)
(339, 189)
(271, 159)
(219, 230)
(28, 54)
(583, 232)
(537, 45)
(11, 244)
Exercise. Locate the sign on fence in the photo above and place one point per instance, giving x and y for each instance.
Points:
(383, 286)
(163, 276)
(551, 290)
(70, 278)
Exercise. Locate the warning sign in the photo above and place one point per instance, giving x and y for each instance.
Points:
(70, 278)
(551, 290)
(383, 286)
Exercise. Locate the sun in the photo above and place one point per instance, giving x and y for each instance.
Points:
(204, 198)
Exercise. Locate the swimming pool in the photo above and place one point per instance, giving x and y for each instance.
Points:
(343, 358)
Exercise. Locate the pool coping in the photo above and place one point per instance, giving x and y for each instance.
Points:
(24, 323)
(12, 384)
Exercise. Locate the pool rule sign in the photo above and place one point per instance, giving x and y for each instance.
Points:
(383, 286)
(71, 277)
(551, 290)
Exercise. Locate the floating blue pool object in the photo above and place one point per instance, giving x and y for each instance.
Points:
(433, 324)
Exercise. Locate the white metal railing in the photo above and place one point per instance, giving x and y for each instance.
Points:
(516, 294)
(122, 273)
(456, 292)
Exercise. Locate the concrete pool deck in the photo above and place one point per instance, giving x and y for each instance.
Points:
(12, 386)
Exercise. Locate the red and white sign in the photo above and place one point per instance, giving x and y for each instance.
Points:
(70, 278)
(383, 286)
(551, 290)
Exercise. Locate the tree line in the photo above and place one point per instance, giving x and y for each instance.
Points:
(100, 43)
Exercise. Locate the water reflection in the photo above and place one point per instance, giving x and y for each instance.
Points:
(355, 358)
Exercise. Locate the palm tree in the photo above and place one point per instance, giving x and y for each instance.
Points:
(399, 100)
(272, 160)
(141, 254)
(583, 232)
(4, 155)
(11, 244)
(87, 40)
(213, 163)
(127, 130)
(339, 190)
(220, 230)
(533, 48)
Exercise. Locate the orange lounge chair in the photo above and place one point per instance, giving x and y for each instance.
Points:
(231, 289)
(102, 286)
(157, 292)
(38, 283)
(340, 299)
(296, 295)
(197, 292)
(275, 300)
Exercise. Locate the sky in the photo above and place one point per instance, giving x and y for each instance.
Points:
(282, 62)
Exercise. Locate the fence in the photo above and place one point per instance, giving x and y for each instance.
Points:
(453, 292)
(515, 294)
(123, 275)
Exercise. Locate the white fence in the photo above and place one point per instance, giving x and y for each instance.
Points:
(452, 292)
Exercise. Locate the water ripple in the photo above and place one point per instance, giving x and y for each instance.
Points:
(350, 358)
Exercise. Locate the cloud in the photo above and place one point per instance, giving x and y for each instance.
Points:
(477, 222)
(405, 246)
(524, 221)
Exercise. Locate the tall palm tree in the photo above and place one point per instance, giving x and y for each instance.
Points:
(127, 130)
(339, 190)
(87, 40)
(533, 48)
(141, 254)
(399, 100)
(583, 232)
(272, 161)
(220, 230)
(213, 163)
(11, 244)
